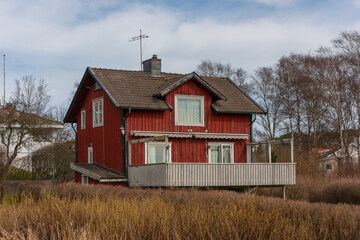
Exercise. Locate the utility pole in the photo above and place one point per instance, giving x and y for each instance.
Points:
(4, 80)
(139, 37)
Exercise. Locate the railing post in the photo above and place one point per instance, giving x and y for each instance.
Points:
(249, 153)
(284, 192)
(166, 149)
(292, 150)
(129, 153)
(269, 152)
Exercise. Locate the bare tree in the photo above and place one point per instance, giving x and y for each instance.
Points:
(268, 93)
(218, 69)
(19, 126)
(332, 75)
(57, 113)
(347, 46)
(31, 95)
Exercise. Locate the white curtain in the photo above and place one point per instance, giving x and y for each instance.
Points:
(215, 152)
(189, 110)
(226, 154)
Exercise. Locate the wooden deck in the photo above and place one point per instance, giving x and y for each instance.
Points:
(212, 175)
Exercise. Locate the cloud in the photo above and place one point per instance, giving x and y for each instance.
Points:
(277, 3)
(57, 40)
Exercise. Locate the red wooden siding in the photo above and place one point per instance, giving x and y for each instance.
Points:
(106, 139)
(189, 150)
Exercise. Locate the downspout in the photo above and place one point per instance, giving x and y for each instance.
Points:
(123, 141)
(76, 143)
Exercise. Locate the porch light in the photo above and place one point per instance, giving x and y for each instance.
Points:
(122, 129)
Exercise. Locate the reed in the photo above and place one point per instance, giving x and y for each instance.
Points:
(104, 212)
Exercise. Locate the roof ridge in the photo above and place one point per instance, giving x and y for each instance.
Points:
(112, 69)
(126, 70)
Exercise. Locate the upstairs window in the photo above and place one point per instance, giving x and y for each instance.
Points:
(83, 119)
(221, 153)
(189, 110)
(98, 116)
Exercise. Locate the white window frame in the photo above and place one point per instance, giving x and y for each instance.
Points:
(84, 179)
(221, 144)
(147, 148)
(101, 121)
(190, 97)
(90, 155)
(83, 119)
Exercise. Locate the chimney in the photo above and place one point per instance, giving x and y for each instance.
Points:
(153, 66)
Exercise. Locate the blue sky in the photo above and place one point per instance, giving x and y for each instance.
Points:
(56, 40)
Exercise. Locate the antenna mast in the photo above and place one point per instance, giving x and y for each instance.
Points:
(139, 37)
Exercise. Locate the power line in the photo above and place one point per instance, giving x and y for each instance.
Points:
(139, 37)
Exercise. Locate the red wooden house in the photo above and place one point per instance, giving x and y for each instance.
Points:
(150, 128)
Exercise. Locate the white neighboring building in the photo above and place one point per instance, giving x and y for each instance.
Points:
(329, 157)
(23, 159)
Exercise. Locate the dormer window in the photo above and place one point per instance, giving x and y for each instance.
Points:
(189, 110)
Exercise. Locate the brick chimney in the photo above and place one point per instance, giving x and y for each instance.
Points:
(153, 66)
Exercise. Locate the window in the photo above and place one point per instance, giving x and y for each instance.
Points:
(97, 86)
(83, 119)
(156, 152)
(221, 152)
(189, 110)
(84, 179)
(90, 155)
(98, 116)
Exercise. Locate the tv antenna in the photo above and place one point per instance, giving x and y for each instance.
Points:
(139, 37)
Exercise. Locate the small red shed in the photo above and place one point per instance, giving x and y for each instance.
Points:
(146, 128)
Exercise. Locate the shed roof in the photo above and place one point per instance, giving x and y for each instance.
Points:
(97, 172)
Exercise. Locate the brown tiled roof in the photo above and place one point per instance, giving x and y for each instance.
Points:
(133, 88)
(237, 101)
(138, 90)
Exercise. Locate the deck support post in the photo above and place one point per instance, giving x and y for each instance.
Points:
(249, 153)
(129, 152)
(166, 149)
(284, 192)
(269, 152)
(292, 150)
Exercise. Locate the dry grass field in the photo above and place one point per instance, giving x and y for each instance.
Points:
(319, 189)
(102, 212)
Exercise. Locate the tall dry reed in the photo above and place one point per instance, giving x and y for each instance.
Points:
(101, 212)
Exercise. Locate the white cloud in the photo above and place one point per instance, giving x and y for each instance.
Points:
(277, 3)
(57, 40)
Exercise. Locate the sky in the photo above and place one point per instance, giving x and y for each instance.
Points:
(56, 40)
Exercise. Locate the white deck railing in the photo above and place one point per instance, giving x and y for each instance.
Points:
(212, 175)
